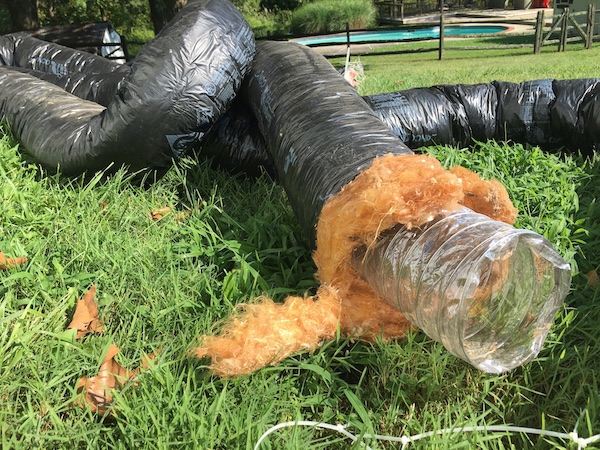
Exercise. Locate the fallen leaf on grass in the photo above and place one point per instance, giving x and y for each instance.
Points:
(9, 263)
(85, 319)
(149, 360)
(182, 215)
(592, 279)
(97, 390)
(159, 213)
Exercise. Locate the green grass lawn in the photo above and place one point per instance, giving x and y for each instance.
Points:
(161, 284)
(388, 73)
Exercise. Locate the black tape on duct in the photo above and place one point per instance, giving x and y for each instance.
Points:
(524, 111)
(550, 113)
(319, 131)
(176, 88)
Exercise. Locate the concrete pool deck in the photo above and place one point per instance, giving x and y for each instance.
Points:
(480, 15)
(519, 21)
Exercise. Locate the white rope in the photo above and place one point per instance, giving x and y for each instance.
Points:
(308, 423)
(405, 440)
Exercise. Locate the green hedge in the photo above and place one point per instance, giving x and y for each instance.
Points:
(328, 16)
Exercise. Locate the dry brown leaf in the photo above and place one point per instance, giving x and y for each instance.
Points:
(182, 215)
(85, 319)
(159, 213)
(148, 360)
(592, 279)
(97, 390)
(9, 263)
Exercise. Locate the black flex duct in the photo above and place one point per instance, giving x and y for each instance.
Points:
(549, 113)
(89, 77)
(235, 143)
(320, 133)
(157, 107)
(553, 114)
(182, 83)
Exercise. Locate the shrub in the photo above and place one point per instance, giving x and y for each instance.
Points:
(280, 5)
(328, 16)
(267, 24)
(247, 6)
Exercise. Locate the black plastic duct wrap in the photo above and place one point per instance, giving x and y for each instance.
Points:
(438, 115)
(549, 113)
(553, 114)
(167, 100)
(319, 131)
(235, 143)
(170, 96)
(87, 76)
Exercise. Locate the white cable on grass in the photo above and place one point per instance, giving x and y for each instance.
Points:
(339, 428)
(405, 440)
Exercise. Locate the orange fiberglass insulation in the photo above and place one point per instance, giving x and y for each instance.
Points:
(406, 189)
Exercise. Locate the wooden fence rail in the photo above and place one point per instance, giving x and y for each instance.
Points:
(394, 11)
(564, 25)
(561, 24)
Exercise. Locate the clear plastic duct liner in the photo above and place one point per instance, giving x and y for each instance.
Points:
(397, 189)
(484, 289)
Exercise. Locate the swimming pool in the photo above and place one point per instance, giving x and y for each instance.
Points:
(402, 35)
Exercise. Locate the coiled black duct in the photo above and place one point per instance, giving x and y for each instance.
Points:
(156, 109)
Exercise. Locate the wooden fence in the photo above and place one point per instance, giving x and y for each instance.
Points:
(394, 11)
(564, 28)
(568, 28)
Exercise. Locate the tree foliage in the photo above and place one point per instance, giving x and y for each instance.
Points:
(130, 17)
(162, 11)
(281, 5)
(23, 14)
(126, 15)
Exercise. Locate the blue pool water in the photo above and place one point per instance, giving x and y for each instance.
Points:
(403, 35)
